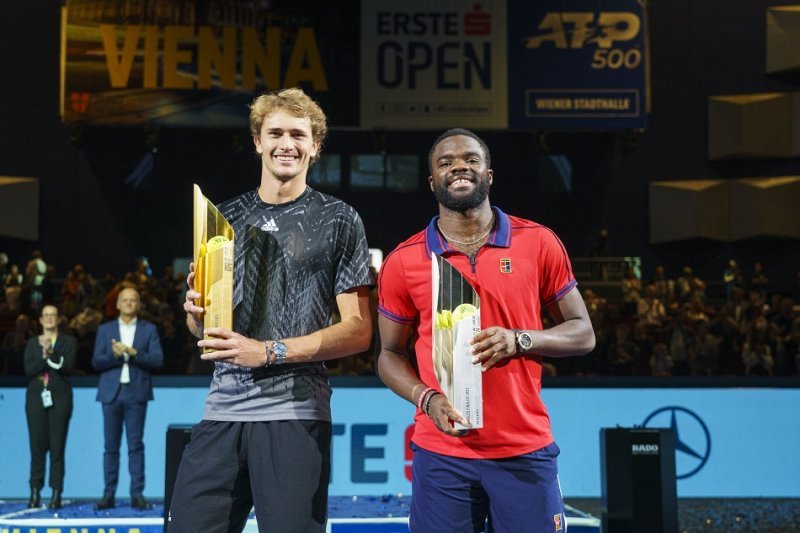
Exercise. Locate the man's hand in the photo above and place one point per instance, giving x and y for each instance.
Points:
(442, 413)
(194, 313)
(120, 348)
(491, 345)
(233, 348)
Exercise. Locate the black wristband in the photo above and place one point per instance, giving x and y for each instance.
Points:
(428, 401)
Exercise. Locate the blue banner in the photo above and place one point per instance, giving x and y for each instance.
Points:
(716, 428)
(577, 65)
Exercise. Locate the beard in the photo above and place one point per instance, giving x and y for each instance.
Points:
(462, 203)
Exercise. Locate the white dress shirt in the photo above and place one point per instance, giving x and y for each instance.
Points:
(126, 334)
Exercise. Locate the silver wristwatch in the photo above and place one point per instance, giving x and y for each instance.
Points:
(524, 341)
(279, 349)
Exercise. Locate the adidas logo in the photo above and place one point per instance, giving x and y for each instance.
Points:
(270, 225)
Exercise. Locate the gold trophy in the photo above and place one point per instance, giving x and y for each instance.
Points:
(213, 264)
(456, 319)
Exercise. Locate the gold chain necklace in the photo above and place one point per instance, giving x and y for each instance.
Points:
(466, 243)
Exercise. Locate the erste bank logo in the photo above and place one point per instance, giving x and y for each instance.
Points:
(692, 438)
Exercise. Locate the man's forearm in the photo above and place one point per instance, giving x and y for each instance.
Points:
(571, 337)
(397, 373)
(344, 338)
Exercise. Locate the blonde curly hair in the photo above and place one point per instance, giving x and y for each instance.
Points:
(295, 102)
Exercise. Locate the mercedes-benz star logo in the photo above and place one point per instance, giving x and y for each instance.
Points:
(692, 438)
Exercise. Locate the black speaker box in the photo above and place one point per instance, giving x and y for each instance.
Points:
(178, 436)
(638, 480)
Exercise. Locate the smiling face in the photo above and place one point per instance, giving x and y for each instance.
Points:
(286, 146)
(460, 178)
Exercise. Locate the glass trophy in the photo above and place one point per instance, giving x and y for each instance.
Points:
(457, 318)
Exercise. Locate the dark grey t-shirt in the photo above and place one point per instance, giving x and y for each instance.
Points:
(291, 260)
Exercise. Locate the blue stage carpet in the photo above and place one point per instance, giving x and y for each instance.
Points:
(356, 514)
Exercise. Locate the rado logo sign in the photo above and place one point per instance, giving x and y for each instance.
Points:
(644, 449)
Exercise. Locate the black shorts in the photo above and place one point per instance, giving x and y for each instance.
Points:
(282, 467)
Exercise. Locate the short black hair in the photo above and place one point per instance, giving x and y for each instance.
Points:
(453, 133)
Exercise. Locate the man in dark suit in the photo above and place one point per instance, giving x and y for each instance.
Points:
(125, 352)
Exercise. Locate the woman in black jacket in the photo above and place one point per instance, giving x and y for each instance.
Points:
(48, 403)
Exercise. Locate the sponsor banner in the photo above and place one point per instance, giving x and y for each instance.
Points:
(433, 65)
(199, 64)
(714, 428)
(577, 65)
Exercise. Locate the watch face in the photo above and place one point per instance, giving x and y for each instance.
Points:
(524, 341)
(279, 349)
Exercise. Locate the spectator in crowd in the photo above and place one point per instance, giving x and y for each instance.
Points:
(781, 324)
(660, 362)
(14, 289)
(13, 346)
(732, 277)
(726, 330)
(143, 274)
(695, 311)
(597, 361)
(84, 326)
(73, 292)
(665, 288)
(3, 275)
(651, 311)
(644, 338)
(88, 320)
(757, 355)
(759, 281)
(754, 315)
(35, 272)
(679, 339)
(51, 287)
(631, 291)
(688, 285)
(728, 322)
(49, 358)
(707, 351)
(622, 353)
(597, 307)
(173, 341)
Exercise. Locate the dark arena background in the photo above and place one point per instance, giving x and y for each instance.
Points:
(659, 139)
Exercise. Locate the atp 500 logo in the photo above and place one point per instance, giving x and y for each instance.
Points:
(609, 31)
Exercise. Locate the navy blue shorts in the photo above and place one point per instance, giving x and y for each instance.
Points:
(518, 494)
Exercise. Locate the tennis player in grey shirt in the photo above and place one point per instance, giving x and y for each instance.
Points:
(265, 437)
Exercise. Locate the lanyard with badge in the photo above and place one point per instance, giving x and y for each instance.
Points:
(47, 397)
